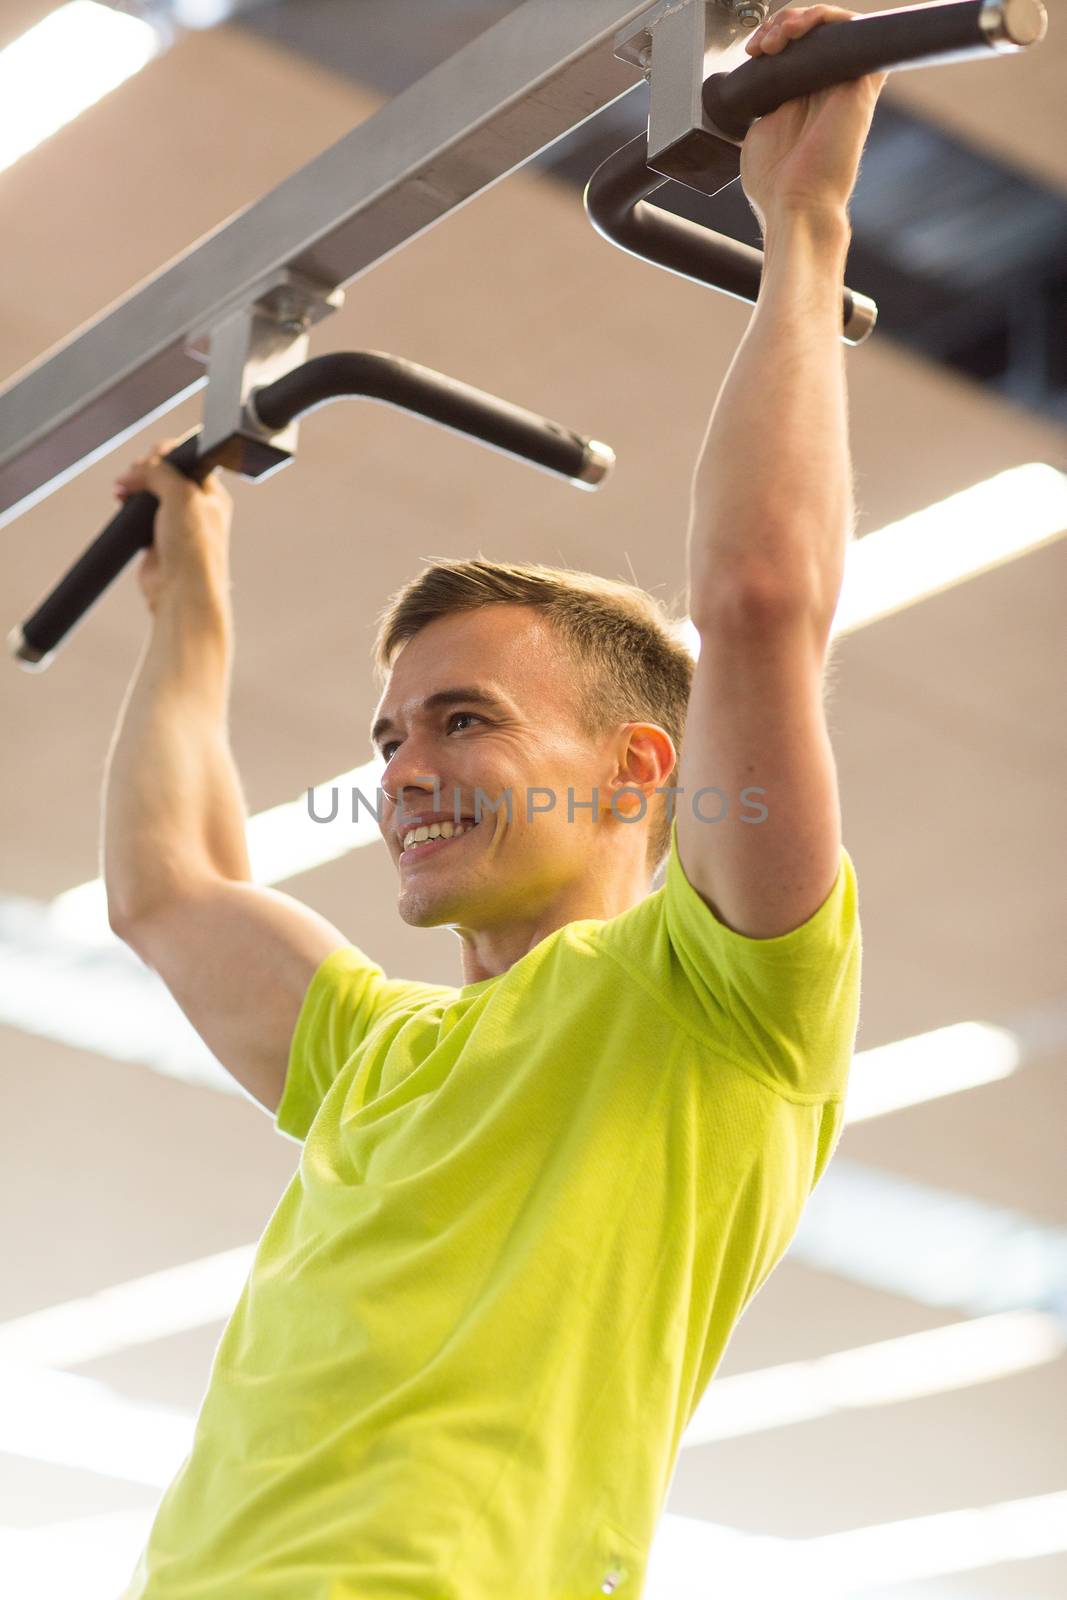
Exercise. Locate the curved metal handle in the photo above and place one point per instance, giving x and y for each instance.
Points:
(908, 36)
(615, 202)
(833, 53)
(370, 374)
(376, 375)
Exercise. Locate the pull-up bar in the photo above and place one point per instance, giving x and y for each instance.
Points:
(56, 418)
(368, 373)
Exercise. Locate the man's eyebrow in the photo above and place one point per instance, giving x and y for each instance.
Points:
(444, 697)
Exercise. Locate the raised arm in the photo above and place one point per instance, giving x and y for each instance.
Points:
(772, 515)
(237, 957)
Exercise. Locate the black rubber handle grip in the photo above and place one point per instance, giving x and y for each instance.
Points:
(129, 531)
(838, 52)
(616, 201)
(377, 375)
(370, 374)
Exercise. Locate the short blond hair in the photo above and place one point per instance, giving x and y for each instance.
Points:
(631, 664)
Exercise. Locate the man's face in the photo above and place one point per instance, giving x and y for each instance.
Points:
(508, 867)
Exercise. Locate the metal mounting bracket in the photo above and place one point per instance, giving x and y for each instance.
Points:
(251, 344)
(678, 44)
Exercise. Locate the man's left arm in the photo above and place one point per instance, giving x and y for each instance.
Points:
(772, 515)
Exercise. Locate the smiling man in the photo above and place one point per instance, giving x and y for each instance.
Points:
(541, 733)
(530, 1208)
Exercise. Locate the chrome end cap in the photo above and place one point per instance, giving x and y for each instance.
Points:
(598, 462)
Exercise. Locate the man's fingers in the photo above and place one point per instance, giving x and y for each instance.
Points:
(773, 35)
(152, 473)
(157, 475)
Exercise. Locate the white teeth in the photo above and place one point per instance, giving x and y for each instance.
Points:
(436, 830)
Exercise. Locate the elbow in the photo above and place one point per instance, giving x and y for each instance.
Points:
(118, 921)
(759, 594)
(124, 919)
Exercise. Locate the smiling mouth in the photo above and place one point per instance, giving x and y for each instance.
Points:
(415, 852)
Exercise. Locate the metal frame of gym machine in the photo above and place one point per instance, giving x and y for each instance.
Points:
(235, 311)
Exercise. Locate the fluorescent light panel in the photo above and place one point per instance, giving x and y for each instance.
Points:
(71, 1421)
(929, 1244)
(128, 1314)
(68, 61)
(112, 1005)
(283, 841)
(91, 1557)
(694, 1560)
(970, 532)
(927, 1066)
(934, 1362)
(934, 1546)
(201, 13)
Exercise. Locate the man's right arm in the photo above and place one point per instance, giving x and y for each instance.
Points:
(237, 957)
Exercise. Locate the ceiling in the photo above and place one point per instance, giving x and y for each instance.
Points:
(946, 718)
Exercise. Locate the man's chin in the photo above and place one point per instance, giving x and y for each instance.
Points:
(424, 909)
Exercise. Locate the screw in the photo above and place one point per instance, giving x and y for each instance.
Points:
(750, 14)
(293, 316)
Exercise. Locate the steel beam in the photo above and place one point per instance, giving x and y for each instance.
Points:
(509, 94)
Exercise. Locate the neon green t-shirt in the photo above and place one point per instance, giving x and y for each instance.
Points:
(527, 1215)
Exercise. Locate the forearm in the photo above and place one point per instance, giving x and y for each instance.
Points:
(772, 500)
(173, 810)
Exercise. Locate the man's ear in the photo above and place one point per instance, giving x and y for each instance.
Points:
(647, 756)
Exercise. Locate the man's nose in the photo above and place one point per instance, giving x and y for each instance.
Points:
(414, 773)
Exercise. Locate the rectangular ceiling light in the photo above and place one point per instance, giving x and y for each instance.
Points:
(934, 1362)
(113, 1004)
(929, 1244)
(692, 1559)
(934, 1546)
(957, 538)
(63, 65)
(92, 1557)
(907, 1072)
(191, 1295)
(201, 13)
(72, 1421)
(327, 822)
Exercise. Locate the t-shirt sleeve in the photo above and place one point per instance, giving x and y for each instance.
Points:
(785, 1009)
(347, 996)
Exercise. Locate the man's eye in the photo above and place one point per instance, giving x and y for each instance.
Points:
(392, 743)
